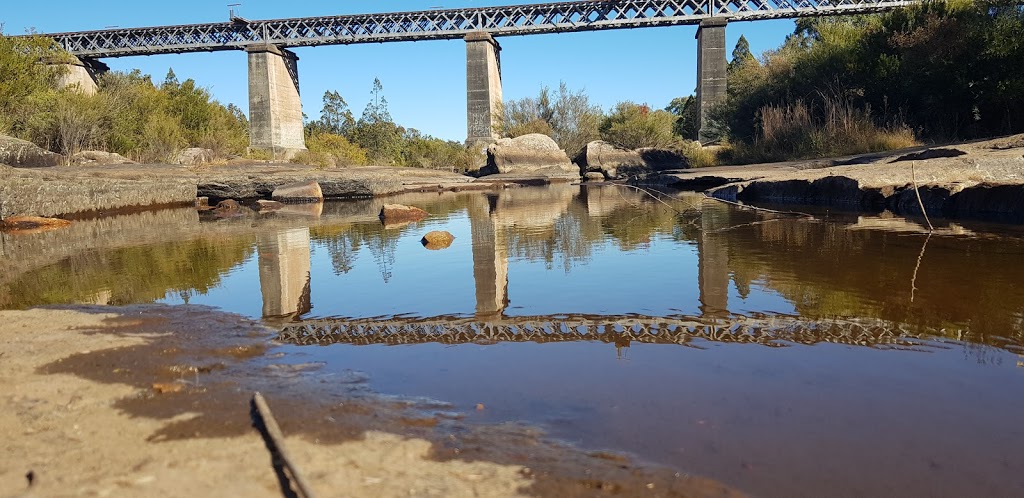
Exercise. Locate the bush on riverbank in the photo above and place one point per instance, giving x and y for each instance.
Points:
(795, 131)
(940, 70)
(129, 115)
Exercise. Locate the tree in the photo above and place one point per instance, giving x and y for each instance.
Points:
(171, 80)
(335, 116)
(375, 131)
(633, 126)
(687, 120)
(568, 117)
(741, 54)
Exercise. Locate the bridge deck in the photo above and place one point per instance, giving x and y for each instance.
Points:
(510, 20)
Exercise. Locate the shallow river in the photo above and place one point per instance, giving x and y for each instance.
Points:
(842, 355)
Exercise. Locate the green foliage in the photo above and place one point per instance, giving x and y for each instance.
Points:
(633, 126)
(129, 115)
(944, 69)
(328, 150)
(741, 54)
(421, 151)
(25, 79)
(687, 120)
(568, 117)
(335, 117)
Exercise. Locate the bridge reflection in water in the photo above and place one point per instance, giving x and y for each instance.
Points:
(499, 224)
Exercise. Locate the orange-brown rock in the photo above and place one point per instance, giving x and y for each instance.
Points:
(437, 240)
(31, 224)
(397, 213)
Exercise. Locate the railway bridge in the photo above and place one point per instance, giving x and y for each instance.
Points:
(275, 111)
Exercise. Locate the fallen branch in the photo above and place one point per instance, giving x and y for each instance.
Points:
(652, 196)
(917, 190)
(763, 210)
(264, 421)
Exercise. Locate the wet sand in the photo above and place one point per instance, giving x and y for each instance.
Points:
(154, 400)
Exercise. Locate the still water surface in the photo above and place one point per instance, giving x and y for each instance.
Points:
(785, 356)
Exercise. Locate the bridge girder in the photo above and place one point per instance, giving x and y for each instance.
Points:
(510, 20)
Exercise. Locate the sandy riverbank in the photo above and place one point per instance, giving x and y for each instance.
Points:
(153, 400)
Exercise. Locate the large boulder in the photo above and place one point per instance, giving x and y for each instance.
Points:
(194, 156)
(529, 155)
(606, 158)
(618, 162)
(659, 160)
(24, 154)
(99, 157)
(398, 213)
(299, 192)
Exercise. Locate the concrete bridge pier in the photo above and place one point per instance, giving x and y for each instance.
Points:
(483, 88)
(711, 73)
(275, 111)
(82, 74)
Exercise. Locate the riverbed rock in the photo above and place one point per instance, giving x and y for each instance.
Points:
(99, 157)
(299, 192)
(398, 213)
(24, 154)
(194, 156)
(606, 158)
(62, 191)
(532, 155)
(265, 205)
(437, 240)
(228, 208)
(618, 162)
(594, 176)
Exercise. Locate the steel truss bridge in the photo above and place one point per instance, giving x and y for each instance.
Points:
(772, 331)
(560, 17)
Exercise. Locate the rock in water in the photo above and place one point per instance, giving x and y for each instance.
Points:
(298, 192)
(531, 154)
(23, 154)
(228, 208)
(437, 240)
(266, 205)
(593, 176)
(395, 213)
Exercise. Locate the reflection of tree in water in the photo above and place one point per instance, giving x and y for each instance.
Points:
(383, 250)
(130, 275)
(344, 243)
(567, 241)
(342, 249)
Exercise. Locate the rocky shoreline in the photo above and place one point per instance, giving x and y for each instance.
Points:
(978, 180)
(981, 180)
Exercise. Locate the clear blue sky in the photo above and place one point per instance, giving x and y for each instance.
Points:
(424, 82)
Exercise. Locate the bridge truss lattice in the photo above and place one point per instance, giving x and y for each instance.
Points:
(773, 331)
(510, 20)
